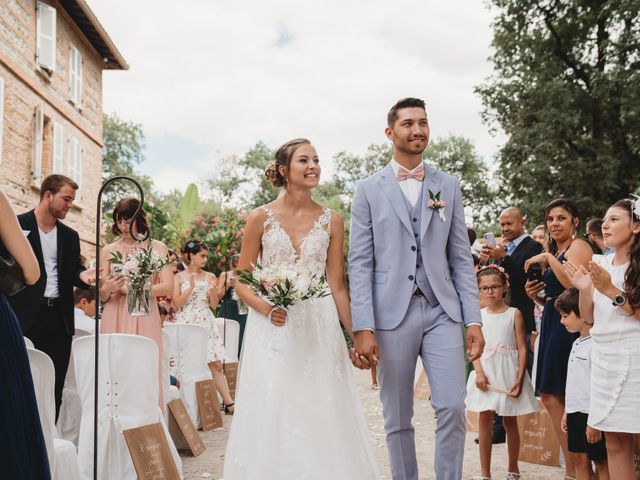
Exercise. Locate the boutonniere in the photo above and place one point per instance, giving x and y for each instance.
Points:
(436, 204)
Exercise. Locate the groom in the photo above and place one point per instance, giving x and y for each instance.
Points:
(412, 284)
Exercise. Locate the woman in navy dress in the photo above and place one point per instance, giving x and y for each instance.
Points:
(561, 223)
(23, 454)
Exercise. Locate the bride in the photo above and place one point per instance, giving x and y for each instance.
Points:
(298, 414)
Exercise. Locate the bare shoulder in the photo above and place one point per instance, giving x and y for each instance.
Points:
(579, 246)
(159, 246)
(257, 216)
(336, 219)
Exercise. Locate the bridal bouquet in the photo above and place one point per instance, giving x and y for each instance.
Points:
(138, 267)
(283, 285)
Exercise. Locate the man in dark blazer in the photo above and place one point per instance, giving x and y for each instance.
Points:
(45, 309)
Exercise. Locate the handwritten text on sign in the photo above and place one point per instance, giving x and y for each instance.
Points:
(150, 453)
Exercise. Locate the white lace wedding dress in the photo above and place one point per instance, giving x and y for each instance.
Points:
(298, 415)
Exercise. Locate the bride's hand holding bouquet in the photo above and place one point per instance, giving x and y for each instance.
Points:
(283, 285)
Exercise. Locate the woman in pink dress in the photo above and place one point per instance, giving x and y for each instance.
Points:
(113, 289)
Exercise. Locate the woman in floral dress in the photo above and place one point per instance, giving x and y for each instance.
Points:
(195, 294)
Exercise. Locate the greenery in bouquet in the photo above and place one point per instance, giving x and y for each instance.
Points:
(221, 233)
(284, 284)
(139, 265)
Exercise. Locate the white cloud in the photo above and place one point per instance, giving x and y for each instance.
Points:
(228, 73)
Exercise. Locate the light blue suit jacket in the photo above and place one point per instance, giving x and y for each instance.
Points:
(381, 258)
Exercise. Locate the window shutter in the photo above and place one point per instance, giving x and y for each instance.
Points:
(46, 38)
(37, 144)
(75, 161)
(58, 148)
(1, 114)
(75, 75)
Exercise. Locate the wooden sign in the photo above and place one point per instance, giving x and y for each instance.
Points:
(186, 426)
(150, 453)
(422, 390)
(538, 441)
(231, 372)
(473, 421)
(208, 406)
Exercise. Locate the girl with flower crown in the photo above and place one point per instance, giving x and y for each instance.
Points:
(610, 299)
(500, 383)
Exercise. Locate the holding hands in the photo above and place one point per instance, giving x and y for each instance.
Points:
(365, 353)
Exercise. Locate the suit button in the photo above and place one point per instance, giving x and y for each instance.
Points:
(415, 235)
(415, 219)
(413, 248)
(410, 277)
(418, 265)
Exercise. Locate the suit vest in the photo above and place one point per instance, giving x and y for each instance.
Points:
(420, 276)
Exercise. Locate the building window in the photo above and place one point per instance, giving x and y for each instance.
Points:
(1, 114)
(38, 141)
(57, 164)
(46, 37)
(75, 75)
(75, 163)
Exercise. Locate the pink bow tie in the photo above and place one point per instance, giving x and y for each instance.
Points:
(417, 174)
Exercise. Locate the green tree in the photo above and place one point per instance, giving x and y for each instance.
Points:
(241, 180)
(123, 151)
(566, 91)
(457, 156)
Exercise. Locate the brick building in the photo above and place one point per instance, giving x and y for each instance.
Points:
(52, 54)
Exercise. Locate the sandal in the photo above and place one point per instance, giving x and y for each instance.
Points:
(480, 477)
(512, 476)
(227, 410)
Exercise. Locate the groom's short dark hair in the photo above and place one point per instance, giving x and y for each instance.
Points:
(408, 102)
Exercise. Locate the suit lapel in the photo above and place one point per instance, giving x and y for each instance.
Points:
(389, 186)
(34, 237)
(59, 248)
(431, 182)
(520, 246)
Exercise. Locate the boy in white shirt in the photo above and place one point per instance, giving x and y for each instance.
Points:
(85, 309)
(586, 443)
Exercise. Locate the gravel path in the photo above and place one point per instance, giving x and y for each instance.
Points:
(210, 463)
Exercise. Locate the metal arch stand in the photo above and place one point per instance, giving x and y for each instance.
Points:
(97, 327)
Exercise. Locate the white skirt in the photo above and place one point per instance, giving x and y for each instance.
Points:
(615, 387)
(501, 371)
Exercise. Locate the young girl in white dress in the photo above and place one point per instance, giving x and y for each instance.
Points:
(500, 383)
(195, 294)
(610, 297)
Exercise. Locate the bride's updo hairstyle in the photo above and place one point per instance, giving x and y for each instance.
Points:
(283, 159)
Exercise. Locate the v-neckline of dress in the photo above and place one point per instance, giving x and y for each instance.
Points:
(296, 251)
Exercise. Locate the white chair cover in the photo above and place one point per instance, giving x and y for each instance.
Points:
(231, 331)
(63, 459)
(68, 425)
(127, 398)
(28, 342)
(189, 348)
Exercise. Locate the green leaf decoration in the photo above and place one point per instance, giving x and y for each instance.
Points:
(190, 204)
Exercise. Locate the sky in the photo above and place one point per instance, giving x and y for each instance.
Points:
(209, 78)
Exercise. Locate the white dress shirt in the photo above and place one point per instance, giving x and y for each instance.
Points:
(84, 321)
(578, 392)
(410, 187)
(49, 244)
